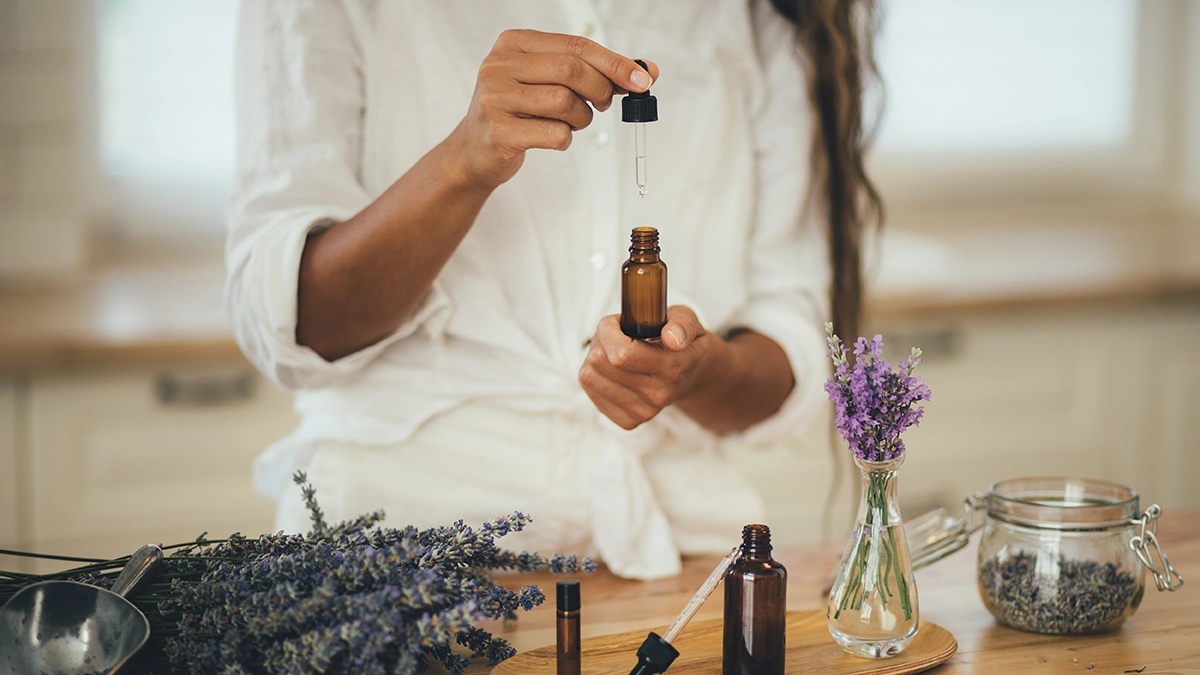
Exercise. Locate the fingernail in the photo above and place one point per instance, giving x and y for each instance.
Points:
(677, 333)
(640, 79)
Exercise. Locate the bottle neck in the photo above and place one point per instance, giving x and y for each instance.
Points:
(643, 244)
(879, 504)
(638, 255)
(756, 542)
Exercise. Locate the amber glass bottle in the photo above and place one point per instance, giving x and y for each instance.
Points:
(643, 287)
(568, 643)
(755, 608)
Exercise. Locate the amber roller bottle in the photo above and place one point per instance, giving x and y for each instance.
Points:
(568, 628)
(643, 287)
(755, 609)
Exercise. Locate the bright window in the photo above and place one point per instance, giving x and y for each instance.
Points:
(1007, 75)
(983, 80)
(165, 109)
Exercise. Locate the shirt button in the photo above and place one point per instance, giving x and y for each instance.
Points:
(598, 261)
(587, 29)
(600, 138)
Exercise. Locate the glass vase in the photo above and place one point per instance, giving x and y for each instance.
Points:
(872, 608)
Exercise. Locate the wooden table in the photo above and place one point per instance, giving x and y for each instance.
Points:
(1163, 636)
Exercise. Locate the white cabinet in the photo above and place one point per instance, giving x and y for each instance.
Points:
(9, 466)
(1108, 391)
(1159, 392)
(124, 458)
(1179, 426)
(1015, 394)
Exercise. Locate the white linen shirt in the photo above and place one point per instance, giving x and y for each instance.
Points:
(338, 98)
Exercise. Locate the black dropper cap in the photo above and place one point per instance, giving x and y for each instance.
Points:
(568, 595)
(654, 656)
(639, 106)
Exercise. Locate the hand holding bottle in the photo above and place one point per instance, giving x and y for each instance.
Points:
(631, 381)
(724, 384)
(533, 91)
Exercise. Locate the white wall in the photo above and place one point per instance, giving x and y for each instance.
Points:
(1190, 184)
(41, 135)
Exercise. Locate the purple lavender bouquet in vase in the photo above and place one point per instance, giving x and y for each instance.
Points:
(872, 609)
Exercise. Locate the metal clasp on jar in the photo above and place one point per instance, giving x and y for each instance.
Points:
(975, 507)
(1145, 545)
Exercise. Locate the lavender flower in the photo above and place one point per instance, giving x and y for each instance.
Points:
(873, 404)
(348, 598)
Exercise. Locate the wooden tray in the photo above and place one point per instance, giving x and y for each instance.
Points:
(810, 650)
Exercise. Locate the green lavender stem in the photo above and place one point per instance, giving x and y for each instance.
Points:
(875, 523)
(901, 580)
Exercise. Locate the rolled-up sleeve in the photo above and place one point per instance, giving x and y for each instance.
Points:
(787, 288)
(300, 97)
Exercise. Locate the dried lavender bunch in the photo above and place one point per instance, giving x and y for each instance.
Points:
(351, 598)
(873, 404)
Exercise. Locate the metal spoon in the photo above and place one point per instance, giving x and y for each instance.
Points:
(67, 628)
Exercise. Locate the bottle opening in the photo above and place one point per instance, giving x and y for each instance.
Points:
(643, 239)
(756, 538)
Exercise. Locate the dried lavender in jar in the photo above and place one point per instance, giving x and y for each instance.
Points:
(1085, 597)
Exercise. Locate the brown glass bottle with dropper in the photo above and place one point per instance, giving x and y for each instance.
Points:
(755, 609)
(643, 287)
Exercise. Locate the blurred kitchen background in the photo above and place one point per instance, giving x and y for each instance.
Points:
(1040, 162)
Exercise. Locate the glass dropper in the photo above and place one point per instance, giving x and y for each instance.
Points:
(639, 108)
(639, 156)
(706, 589)
(656, 653)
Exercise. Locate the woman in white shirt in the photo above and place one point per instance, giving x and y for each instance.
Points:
(410, 256)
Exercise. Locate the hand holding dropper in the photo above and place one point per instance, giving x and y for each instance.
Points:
(639, 108)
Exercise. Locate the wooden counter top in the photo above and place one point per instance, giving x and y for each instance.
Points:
(1163, 636)
(946, 266)
(170, 310)
(139, 312)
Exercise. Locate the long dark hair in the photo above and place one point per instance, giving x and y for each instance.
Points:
(835, 38)
(836, 41)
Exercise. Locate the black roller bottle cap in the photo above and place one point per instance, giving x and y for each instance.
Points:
(654, 656)
(568, 595)
(639, 106)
